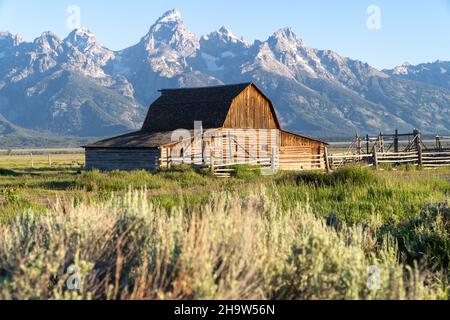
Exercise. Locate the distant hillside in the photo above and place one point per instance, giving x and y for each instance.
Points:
(14, 136)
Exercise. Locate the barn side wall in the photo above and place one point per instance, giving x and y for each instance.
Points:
(122, 159)
(299, 153)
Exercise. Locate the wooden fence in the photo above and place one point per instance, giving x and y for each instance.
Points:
(427, 158)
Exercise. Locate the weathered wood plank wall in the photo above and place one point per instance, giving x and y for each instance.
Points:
(251, 110)
(299, 153)
(122, 159)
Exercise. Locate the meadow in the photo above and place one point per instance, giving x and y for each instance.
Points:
(183, 234)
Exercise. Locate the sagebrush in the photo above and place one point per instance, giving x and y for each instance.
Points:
(232, 247)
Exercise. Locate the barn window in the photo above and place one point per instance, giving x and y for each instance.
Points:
(182, 152)
(265, 148)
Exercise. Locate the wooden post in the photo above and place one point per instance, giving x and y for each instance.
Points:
(396, 142)
(358, 146)
(211, 154)
(203, 150)
(438, 143)
(420, 155)
(327, 161)
(367, 144)
(32, 160)
(273, 160)
(230, 147)
(183, 153)
(169, 158)
(416, 135)
(375, 159)
(381, 140)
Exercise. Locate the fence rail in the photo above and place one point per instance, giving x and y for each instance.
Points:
(424, 158)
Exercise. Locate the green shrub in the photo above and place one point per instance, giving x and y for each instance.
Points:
(11, 195)
(117, 181)
(245, 172)
(14, 204)
(426, 238)
(355, 176)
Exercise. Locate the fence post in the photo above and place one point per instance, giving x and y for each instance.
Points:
(230, 147)
(169, 158)
(31, 159)
(212, 160)
(273, 160)
(396, 142)
(327, 161)
(438, 143)
(417, 138)
(420, 154)
(375, 159)
(368, 144)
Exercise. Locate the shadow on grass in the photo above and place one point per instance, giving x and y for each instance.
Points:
(57, 185)
(9, 173)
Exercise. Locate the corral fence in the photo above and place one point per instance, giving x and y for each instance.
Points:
(423, 158)
(391, 150)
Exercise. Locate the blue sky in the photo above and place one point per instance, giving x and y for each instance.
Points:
(411, 31)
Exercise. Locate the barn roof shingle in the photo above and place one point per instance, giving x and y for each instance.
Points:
(179, 108)
(135, 140)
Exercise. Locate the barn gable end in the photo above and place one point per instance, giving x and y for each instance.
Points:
(251, 109)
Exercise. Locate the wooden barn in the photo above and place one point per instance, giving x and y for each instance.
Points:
(215, 127)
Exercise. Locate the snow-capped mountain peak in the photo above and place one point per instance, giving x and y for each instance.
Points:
(226, 33)
(226, 36)
(170, 16)
(170, 31)
(171, 21)
(286, 34)
(401, 70)
(85, 53)
(12, 38)
(82, 38)
(48, 43)
(286, 40)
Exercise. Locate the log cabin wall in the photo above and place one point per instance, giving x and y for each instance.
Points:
(251, 110)
(122, 159)
(299, 153)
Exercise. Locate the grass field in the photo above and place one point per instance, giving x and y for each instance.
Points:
(185, 234)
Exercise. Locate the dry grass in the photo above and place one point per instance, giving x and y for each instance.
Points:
(229, 248)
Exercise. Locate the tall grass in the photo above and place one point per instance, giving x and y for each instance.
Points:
(232, 247)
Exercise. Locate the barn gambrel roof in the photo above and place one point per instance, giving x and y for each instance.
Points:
(179, 108)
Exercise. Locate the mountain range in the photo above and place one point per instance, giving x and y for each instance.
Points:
(77, 87)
